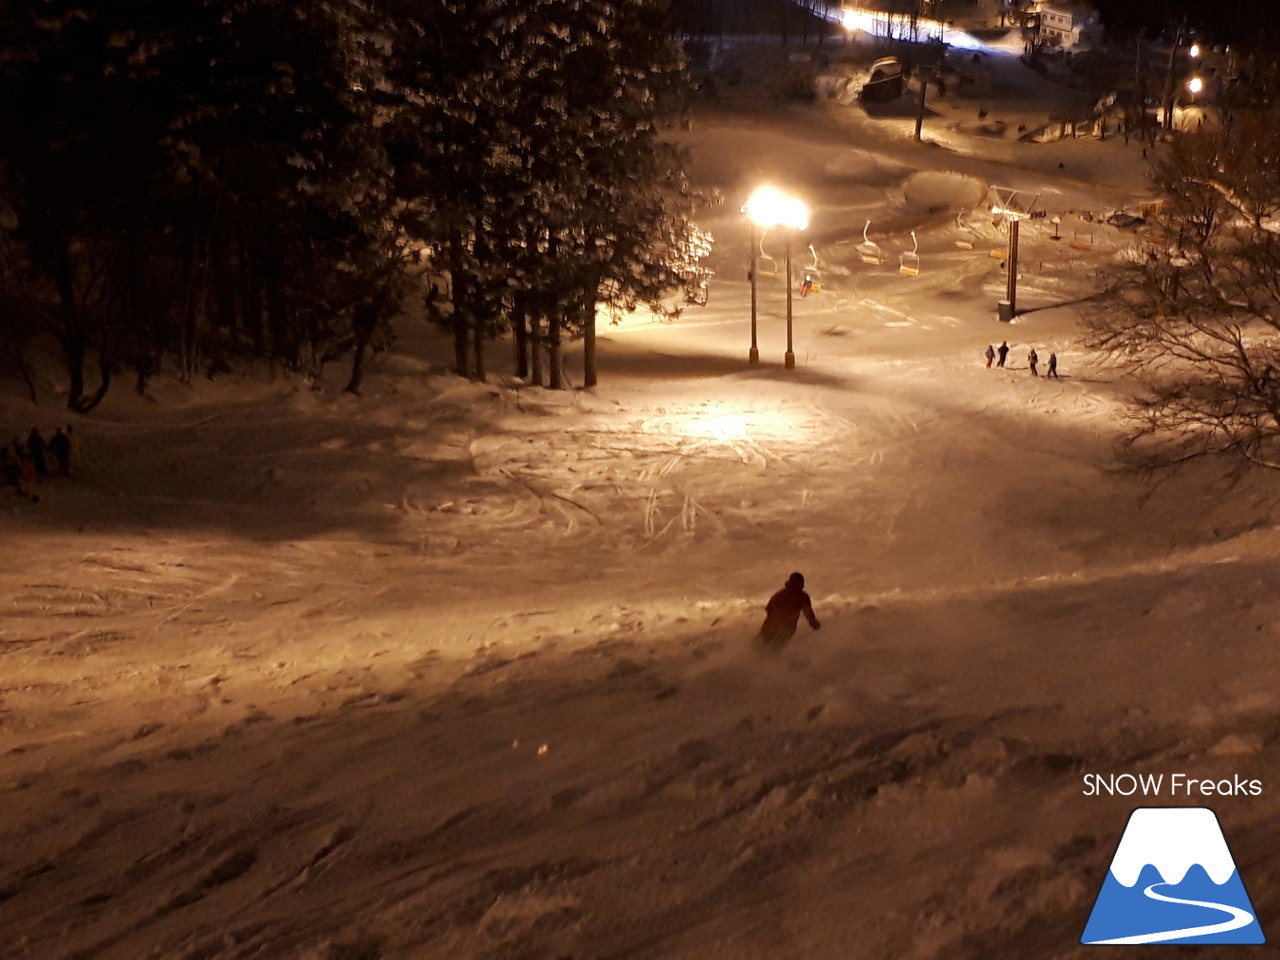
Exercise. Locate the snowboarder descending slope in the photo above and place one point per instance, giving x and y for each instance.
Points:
(782, 613)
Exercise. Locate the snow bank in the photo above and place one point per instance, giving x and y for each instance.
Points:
(939, 188)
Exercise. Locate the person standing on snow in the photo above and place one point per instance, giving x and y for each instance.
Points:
(36, 450)
(28, 478)
(1053, 367)
(1003, 351)
(783, 610)
(990, 355)
(1032, 359)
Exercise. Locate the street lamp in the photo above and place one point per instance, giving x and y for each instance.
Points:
(795, 217)
(761, 209)
(769, 207)
(1195, 85)
(1194, 50)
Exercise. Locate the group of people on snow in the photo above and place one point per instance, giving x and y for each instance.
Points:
(25, 463)
(1001, 353)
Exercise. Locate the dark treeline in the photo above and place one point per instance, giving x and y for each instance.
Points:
(194, 184)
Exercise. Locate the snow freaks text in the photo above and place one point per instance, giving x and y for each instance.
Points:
(1172, 785)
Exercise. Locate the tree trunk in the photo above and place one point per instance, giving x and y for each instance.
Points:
(535, 348)
(71, 337)
(20, 358)
(477, 361)
(364, 322)
(554, 378)
(460, 295)
(520, 334)
(251, 302)
(588, 321)
(104, 372)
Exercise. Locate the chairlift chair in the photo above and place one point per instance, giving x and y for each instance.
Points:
(812, 274)
(766, 266)
(868, 249)
(909, 264)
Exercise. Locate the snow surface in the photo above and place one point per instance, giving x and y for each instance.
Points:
(467, 671)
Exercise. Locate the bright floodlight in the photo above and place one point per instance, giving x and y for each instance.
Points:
(1195, 84)
(764, 206)
(769, 207)
(1195, 49)
(794, 214)
(851, 20)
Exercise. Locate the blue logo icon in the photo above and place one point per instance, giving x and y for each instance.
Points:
(1172, 880)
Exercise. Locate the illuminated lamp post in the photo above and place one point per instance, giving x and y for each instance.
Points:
(1194, 87)
(766, 208)
(795, 217)
(1194, 51)
(761, 209)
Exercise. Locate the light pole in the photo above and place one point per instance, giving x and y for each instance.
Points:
(768, 207)
(753, 355)
(789, 359)
(763, 209)
(1168, 76)
(795, 217)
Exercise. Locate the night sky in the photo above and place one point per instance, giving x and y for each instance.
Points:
(1227, 21)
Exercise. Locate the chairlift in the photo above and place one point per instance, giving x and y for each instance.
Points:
(812, 275)
(909, 264)
(766, 266)
(868, 249)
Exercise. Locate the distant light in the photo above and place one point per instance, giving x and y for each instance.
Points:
(1195, 49)
(1195, 84)
(877, 23)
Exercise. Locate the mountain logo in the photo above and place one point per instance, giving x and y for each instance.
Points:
(1172, 880)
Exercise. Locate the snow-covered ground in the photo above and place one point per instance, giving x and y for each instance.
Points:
(467, 671)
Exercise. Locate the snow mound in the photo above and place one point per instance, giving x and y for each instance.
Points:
(861, 166)
(852, 165)
(938, 188)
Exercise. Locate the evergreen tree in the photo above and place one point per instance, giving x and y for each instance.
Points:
(531, 166)
(194, 178)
